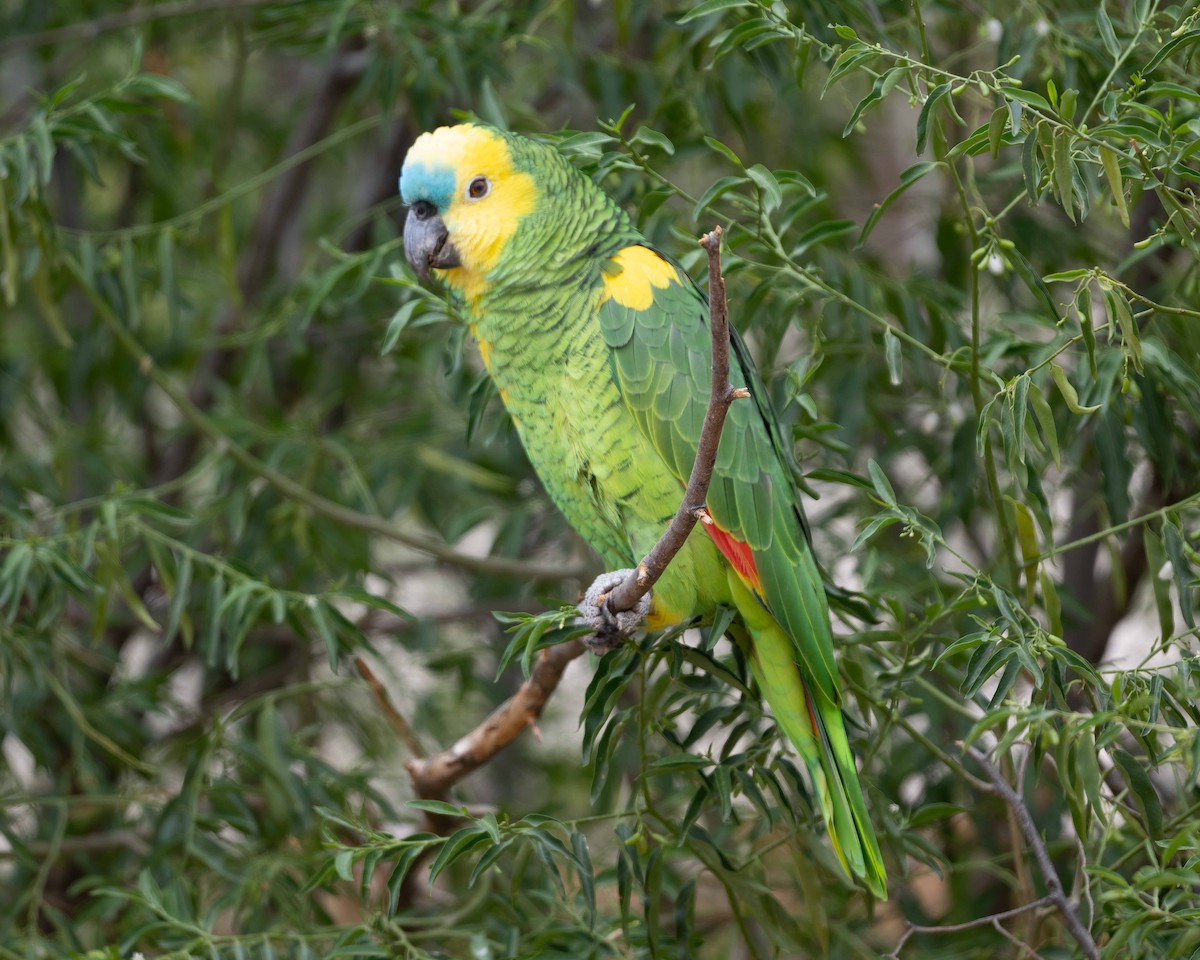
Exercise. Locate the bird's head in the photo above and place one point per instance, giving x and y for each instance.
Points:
(466, 193)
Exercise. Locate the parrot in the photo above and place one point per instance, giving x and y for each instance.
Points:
(599, 347)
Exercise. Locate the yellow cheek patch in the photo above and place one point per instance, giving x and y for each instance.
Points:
(640, 271)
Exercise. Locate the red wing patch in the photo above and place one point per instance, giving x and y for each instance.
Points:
(738, 554)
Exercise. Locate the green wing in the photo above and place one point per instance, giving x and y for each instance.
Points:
(661, 361)
(661, 358)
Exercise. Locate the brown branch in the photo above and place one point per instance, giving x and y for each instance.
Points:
(1056, 895)
(721, 397)
(399, 723)
(434, 776)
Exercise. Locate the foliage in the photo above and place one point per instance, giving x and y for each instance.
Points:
(240, 444)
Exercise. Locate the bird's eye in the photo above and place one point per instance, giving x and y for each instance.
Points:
(478, 188)
(423, 209)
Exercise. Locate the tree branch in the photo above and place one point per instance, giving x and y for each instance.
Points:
(992, 920)
(1056, 894)
(434, 776)
(398, 721)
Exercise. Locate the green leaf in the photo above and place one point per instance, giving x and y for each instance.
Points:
(1068, 391)
(457, 845)
(907, 178)
(1028, 97)
(1168, 48)
(895, 361)
(715, 192)
(439, 807)
(1173, 542)
(1108, 36)
(996, 130)
(652, 138)
(708, 7)
(937, 94)
(933, 812)
(676, 762)
(724, 151)
(1064, 171)
(1144, 794)
(881, 484)
(397, 324)
(1045, 420)
(1112, 173)
(770, 194)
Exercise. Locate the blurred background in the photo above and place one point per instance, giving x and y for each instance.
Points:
(240, 447)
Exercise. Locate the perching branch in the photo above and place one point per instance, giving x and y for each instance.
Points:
(434, 776)
(626, 596)
(1056, 894)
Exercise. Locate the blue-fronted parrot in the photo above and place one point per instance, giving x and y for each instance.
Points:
(599, 347)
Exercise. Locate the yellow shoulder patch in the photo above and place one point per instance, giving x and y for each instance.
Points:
(639, 271)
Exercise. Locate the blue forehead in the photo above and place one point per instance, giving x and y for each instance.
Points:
(420, 181)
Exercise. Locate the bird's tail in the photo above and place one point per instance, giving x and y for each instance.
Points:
(817, 731)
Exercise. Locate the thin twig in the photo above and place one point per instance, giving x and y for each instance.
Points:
(401, 725)
(992, 919)
(721, 397)
(1053, 884)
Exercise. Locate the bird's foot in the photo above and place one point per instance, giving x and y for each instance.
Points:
(609, 629)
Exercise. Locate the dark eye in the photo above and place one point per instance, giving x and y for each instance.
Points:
(478, 188)
(423, 209)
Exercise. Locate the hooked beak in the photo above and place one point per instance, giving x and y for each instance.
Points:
(427, 244)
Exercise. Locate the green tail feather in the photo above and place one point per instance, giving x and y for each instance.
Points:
(825, 750)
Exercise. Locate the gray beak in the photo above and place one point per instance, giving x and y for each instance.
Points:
(426, 243)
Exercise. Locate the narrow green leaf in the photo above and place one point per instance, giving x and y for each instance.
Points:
(895, 360)
(1173, 542)
(1050, 602)
(1064, 169)
(1108, 36)
(1112, 173)
(458, 844)
(1144, 794)
(910, 176)
(938, 92)
(708, 7)
(397, 324)
(769, 192)
(996, 130)
(1168, 48)
(715, 192)
(880, 482)
(722, 149)
(1156, 564)
(1068, 391)
(652, 138)
(1045, 420)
